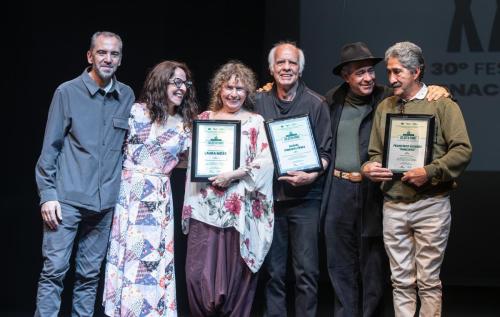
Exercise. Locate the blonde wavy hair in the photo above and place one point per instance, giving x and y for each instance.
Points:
(241, 72)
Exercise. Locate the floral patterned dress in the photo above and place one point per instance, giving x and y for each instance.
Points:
(246, 205)
(140, 279)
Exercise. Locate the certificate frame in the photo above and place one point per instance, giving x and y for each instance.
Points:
(408, 141)
(215, 148)
(302, 154)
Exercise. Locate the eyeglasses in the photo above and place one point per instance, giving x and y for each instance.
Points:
(178, 82)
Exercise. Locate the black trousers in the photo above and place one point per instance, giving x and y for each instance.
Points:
(357, 266)
(296, 225)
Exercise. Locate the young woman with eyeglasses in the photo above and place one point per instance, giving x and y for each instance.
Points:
(140, 275)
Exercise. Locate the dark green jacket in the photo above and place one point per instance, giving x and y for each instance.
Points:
(451, 153)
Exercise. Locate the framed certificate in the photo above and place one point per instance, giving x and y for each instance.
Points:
(215, 148)
(293, 145)
(408, 141)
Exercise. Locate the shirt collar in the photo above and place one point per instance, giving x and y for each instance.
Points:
(92, 86)
(421, 93)
(109, 85)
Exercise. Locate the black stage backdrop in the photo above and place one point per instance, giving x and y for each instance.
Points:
(460, 40)
(46, 45)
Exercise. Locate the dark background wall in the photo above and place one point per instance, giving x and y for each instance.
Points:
(460, 42)
(46, 45)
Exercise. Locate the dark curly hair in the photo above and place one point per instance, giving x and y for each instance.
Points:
(154, 93)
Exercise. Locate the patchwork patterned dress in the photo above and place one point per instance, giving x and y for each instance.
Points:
(140, 278)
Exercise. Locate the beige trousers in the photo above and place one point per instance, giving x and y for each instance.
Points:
(415, 237)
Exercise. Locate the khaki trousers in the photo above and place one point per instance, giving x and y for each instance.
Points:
(415, 237)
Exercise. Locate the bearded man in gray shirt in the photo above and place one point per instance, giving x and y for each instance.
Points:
(78, 175)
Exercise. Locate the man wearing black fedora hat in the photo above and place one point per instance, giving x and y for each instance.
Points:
(352, 206)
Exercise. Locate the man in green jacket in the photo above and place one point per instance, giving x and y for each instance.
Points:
(416, 211)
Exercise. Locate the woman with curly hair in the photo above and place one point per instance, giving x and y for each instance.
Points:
(140, 278)
(230, 219)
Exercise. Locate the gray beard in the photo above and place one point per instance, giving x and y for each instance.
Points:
(105, 76)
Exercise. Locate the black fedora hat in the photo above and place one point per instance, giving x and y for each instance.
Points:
(354, 52)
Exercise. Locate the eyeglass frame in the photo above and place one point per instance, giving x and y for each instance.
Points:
(179, 82)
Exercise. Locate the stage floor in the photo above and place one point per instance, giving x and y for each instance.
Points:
(458, 301)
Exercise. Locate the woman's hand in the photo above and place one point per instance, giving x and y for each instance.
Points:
(226, 178)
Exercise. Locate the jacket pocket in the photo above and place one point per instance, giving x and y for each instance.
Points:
(120, 127)
(120, 123)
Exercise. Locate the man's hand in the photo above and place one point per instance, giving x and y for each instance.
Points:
(266, 87)
(51, 214)
(299, 178)
(416, 176)
(436, 92)
(376, 173)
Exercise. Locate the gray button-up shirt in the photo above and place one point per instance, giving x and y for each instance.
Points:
(81, 158)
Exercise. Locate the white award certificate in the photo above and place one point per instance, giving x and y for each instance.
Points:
(292, 145)
(408, 141)
(215, 149)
